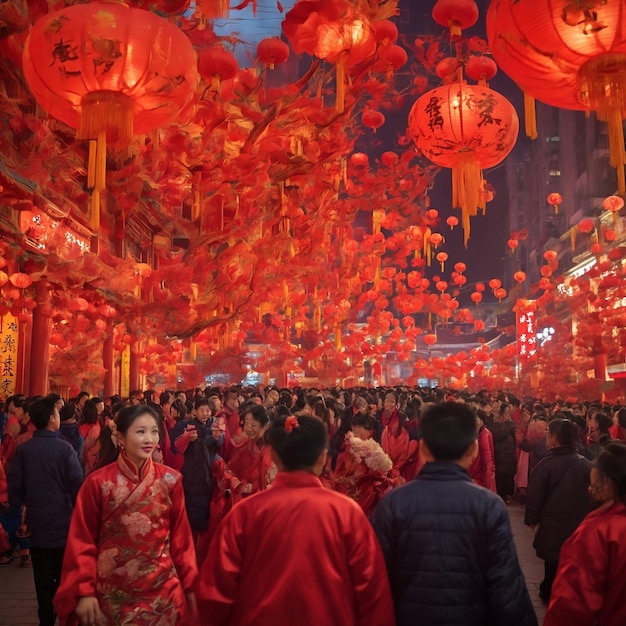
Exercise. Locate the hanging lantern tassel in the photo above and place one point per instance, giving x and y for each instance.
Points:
(603, 83)
(530, 117)
(338, 342)
(104, 114)
(572, 236)
(196, 206)
(467, 188)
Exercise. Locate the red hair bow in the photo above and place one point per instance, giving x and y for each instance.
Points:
(291, 422)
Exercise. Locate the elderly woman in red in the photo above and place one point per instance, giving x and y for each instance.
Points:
(130, 557)
(590, 584)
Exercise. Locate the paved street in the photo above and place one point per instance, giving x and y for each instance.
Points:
(18, 606)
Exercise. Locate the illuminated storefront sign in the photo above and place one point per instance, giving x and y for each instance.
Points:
(526, 335)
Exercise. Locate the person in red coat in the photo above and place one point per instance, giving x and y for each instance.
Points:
(590, 584)
(296, 553)
(483, 470)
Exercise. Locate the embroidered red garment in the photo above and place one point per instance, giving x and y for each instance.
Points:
(130, 546)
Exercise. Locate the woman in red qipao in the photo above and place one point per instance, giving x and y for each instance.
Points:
(130, 557)
(251, 462)
(396, 439)
(296, 553)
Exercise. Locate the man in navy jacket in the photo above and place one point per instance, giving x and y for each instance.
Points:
(45, 476)
(448, 542)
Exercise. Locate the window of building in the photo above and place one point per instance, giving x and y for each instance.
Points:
(555, 172)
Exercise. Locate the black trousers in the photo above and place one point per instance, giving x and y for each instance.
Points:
(545, 588)
(47, 564)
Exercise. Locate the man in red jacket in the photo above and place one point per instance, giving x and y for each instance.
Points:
(296, 553)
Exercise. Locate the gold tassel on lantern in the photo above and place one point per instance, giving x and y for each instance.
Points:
(467, 188)
(104, 114)
(572, 236)
(530, 117)
(603, 89)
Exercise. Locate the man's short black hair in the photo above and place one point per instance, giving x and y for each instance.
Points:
(40, 412)
(449, 429)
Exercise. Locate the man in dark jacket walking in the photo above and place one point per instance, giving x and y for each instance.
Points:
(448, 542)
(45, 476)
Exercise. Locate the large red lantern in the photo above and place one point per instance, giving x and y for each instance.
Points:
(467, 128)
(571, 55)
(109, 71)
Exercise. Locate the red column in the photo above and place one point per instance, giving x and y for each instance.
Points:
(40, 341)
(107, 360)
(134, 365)
(599, 365)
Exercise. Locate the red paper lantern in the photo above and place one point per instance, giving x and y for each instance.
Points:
(20, 280)
(480, 287)
(114, 69)
(447, 67)
(385, 31)
(452, 222)
(550, 256)
(391, 59)
(436, 239)
(109, 71)
(586, 225)
(359, 160)
(554, 200)
(613, 204)
(217, 64)
(4, 278)
(481, 68)
(512, 243)
(432, 214)
(272, 51)
(467, 128)
(372, 119)
(519, 277)
(456, 15)
(390, 159)
(499, 293)
(476, 297)
(442, 257)
(569, 55)
(479, 325)
(495, 283)
(460, 267)
(430, 339)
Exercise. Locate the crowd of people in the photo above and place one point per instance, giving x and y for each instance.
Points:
(389, 503)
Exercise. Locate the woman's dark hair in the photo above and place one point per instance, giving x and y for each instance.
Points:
(300, 447)
(503, 408)
(604, 421)
(18, 400)
(129, 414)
(364, 420)
(564, 431)
(90, 412)
(181, 409)
(258, 412)
(611, 464)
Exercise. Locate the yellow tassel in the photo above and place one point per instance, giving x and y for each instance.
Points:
(603, 89)
(467, 188)
(110, 112)
(455, 29)
(95, 210)
(572, 236)
(193, 350)
(91, 167)
(101, 162)
(530, 116)
(338, 342)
